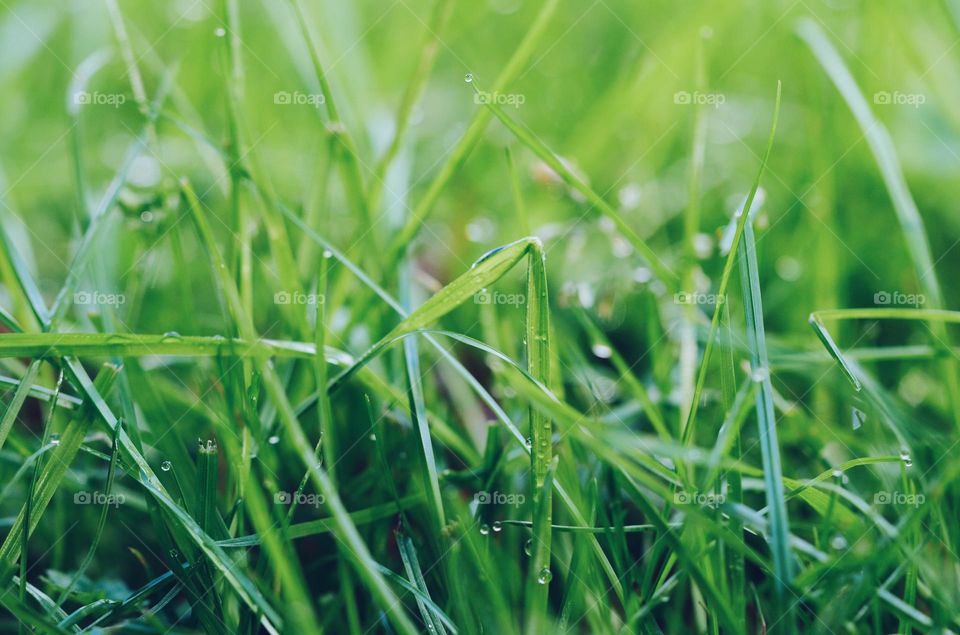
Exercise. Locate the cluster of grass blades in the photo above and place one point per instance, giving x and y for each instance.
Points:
(242, 403)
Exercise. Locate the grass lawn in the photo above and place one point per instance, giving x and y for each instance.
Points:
(511, 316)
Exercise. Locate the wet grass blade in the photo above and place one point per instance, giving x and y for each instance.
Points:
(779, 537)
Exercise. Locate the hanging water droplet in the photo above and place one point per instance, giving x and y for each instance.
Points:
(468, 78)
(601, 350)
(906, 458)
(55, 439)
(166, 466)
(484, 529)
(528, 443)
(497, 527)
(544, 576)
(528, 547)
(859, 417)
(273, 440)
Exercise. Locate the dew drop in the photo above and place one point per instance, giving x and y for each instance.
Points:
(859, 417)
(147, 216)
(273, 440)
(220, 32)
(528, 443)
(838, 542)
(906, 458)
(838, 474)
(327, 253)
(528, 547)
(468, 78)
(55, 439)
(484, 529)
(174, 554)
(497, 527)
(544, 576)
(166, 466)
(601, 350)
(171, 334)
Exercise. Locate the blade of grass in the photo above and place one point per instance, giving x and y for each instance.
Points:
(689, 426)
(911, 223)
(766, 420)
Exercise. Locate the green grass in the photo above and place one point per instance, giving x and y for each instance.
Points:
(421, 317)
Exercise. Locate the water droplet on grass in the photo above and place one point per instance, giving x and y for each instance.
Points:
(166, 466)
(906, 458)
(544, 576)
(468, 78)
(55, 439)
(273, 440)
(528, 547)
(484, 529)
(220, 32)
(601, 350)
(497, 527)
(859, 417)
